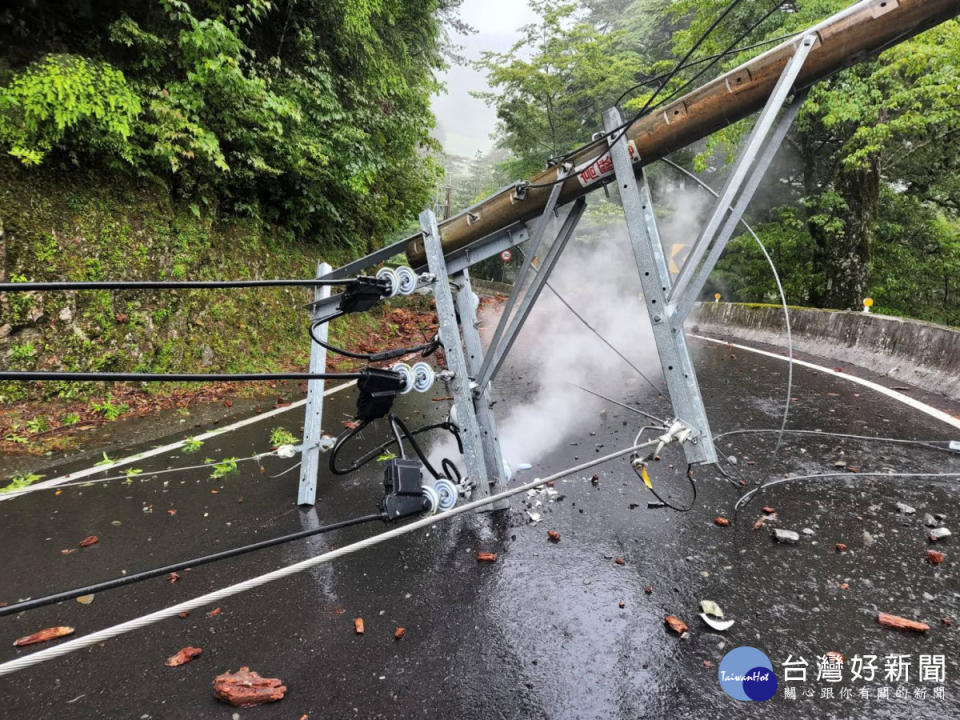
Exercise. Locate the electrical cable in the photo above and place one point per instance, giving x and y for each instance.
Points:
(376, 452)
(27, 375)
(9, 495)
(425, 350)
(783, 300)
(701, 61)
(747, 497)
(99, 636)
(739, 39)
(396, 436)
(624, 127)
(171, 284)
(901, 441)
(645, 478)
(124, 580)
(596, 332)
(617, 402)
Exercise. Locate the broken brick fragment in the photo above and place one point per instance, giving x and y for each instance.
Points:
(486, 557)
(89, 540)
(768, 510)
(51, 633)
(620, 561)
(721, 521)
(595, 480)
(213, 613)
(841, 547)
(622, 604)
(648, 589)
(899, 623)
(246, 688)
(183, 656)
(934, 557)
(553, 536)
(358, 626)
(400, 632)
(676, 624)
(173, 577)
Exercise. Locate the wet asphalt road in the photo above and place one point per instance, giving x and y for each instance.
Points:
(539, 634)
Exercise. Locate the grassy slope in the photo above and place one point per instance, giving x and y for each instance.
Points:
(79, 229)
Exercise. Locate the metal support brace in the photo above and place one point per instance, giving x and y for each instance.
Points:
(467, 304)
(764, 141)
(456, 362)
(533, 292)
(524, 269)
(655, 281)
(310, 452)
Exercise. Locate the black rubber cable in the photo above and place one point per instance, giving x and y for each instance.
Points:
(619, 132)
(375, 452)
(425, 349)
(166, 569)
(26, 375)
(693, 487)
(168, 284)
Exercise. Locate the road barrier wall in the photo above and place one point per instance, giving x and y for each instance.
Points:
(908, 351)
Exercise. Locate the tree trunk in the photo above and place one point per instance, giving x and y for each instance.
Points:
(845, 248)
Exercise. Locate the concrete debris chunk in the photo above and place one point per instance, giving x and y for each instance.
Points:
(902, 507)
(246, 688)
(929, 520)
(789, 537)
(939, 534)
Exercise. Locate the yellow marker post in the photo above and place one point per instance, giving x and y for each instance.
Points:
(867, 304)
(716, 297)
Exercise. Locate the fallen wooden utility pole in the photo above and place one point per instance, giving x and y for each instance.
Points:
(847, 38)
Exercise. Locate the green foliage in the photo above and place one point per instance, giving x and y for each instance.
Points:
(192, 445)
(109, 409)
(281, 436)
(312, 114)
(555, 81)
(70, 419)
(64, 98)
(20, 481)
(223, 468)
(107, 460)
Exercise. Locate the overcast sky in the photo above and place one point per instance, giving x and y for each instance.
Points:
(464, 123)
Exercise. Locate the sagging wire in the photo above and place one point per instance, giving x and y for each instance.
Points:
(783, 300)
(124, 580)
(425, 350)
(94, 638)
(600, 337)
(663, 423)
(821, 433)
(728, 51)
(286, 450)
(639, 465)
(620, 131)
(173, 284)
(376, 452)
(719, 56)
(747, 497)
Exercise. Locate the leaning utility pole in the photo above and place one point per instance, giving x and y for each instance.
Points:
(842, 40)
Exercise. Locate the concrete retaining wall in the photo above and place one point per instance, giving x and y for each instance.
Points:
(908, 351)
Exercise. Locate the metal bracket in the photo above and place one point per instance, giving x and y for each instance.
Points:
(655, 281)
(467, 307)
(456, 362)
(497, 354)
(492, 350)
(764, 141)
(310, 454)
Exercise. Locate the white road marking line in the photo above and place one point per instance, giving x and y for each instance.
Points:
(900, 397)
(97, 469)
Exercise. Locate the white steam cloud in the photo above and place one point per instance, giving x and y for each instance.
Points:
(598, 276)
